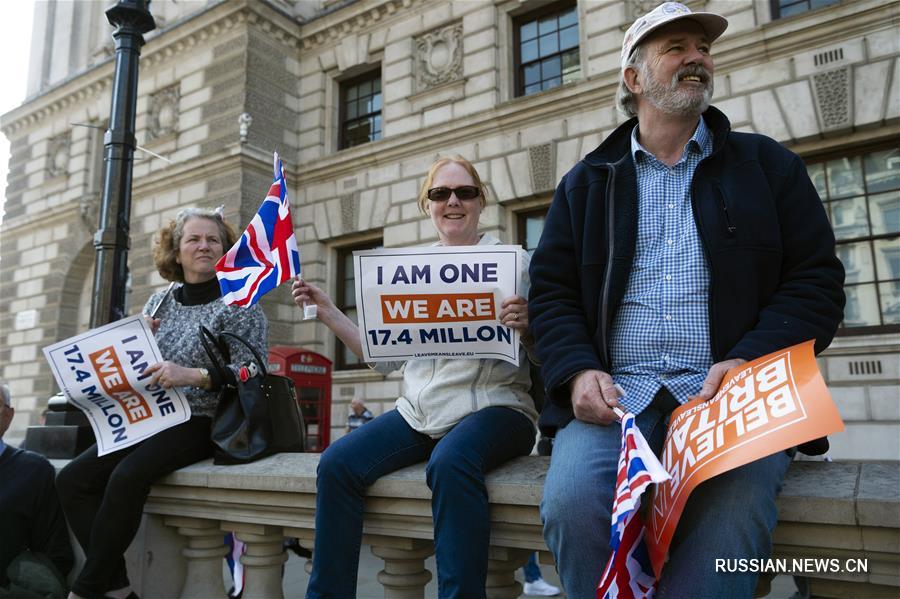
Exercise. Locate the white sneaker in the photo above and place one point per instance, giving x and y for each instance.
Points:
(541, 588)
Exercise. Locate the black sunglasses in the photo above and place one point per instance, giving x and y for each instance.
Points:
(442, 194)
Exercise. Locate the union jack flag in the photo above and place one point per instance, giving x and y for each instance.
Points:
(628, 574)
(266, 255)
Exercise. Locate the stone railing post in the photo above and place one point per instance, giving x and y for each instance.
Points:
(203, 554)
(404, 575)
(307, 539)
(307, 544)
(501, 578)
(263, 558)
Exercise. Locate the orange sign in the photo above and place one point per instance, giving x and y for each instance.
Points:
(115, 383)
(764, 406)
(444, 307)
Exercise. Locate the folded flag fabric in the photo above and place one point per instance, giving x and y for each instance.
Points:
(628, 573)
(236, 549)
(266, 255)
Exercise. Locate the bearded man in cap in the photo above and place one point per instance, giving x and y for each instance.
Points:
(675, 251)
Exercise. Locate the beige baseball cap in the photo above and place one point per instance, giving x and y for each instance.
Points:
(666, 13)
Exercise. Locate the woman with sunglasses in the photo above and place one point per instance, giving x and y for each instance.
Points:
(464, 416)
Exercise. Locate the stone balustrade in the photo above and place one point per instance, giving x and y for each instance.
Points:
(827, 510)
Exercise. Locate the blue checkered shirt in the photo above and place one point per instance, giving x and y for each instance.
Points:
(660, 336)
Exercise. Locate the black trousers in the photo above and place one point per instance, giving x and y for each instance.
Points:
(103, 497)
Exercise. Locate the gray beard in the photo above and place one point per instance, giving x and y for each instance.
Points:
(670, 100)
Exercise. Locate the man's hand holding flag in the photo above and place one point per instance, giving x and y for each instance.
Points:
(628, 573)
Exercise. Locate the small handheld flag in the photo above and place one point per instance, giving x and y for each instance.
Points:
(628, 573)
(266, 255)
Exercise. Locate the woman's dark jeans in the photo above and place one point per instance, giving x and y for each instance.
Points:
(457, 463)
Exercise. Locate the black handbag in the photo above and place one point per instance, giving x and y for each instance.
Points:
(259, 416)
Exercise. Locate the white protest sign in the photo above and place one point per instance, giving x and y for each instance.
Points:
(103, 372)
(436, 302)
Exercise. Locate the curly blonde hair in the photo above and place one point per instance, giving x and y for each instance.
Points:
(429, 179)
(168, 239)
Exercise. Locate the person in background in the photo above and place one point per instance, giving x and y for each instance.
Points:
(358, 415)
(464, 416)
(676, 250)
(104, 496)
(534, 582)
(35, 553)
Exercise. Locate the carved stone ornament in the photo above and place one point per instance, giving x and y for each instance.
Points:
(58, 155)
(831, 90)
(244, 122)
(439, 56)
(89, 211)
(542, 163)
(164, 112)
(349, 211)
(638, 8)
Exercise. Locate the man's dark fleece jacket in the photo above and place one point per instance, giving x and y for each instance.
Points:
(774, 277)
(30, 515)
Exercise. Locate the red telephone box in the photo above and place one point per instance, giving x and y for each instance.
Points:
(311, 373)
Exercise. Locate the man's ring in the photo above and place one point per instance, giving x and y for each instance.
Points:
(515, 316)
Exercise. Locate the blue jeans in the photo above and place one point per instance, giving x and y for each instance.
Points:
(457, 463)
(532, 570)
(731, 515)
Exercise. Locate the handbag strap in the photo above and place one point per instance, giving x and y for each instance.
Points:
(242, 341)
(215, 357)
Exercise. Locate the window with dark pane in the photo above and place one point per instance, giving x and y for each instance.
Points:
(345, 299)
(787, 8)
(361, 110)
(547, 48)
(861, 193)
(531, 225)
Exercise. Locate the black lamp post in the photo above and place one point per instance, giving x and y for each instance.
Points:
(66, 432)
(132, 19)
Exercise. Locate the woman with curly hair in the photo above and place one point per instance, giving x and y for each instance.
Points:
(103, 496)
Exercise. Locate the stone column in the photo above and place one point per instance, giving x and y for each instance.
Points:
(404, 575)
(307, 544)
(203, 554)
(501, 578)
(263, 559)
(307, 539)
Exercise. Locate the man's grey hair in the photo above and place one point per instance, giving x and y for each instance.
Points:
(5, 397)
(625, 99)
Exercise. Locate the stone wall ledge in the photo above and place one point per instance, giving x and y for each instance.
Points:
(826, 510)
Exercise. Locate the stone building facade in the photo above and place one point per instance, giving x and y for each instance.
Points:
(359, 97)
